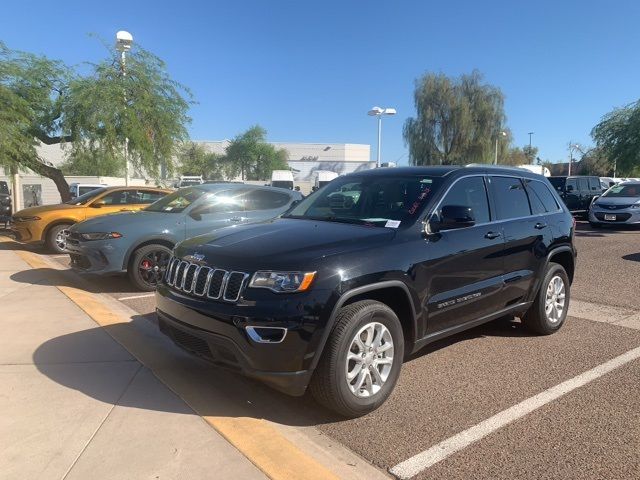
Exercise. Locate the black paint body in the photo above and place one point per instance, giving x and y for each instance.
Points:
(438, 283)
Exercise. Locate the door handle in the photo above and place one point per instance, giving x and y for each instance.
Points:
(492, 235)
(540, 225)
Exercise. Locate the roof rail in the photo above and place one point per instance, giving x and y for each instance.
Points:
(491, 165)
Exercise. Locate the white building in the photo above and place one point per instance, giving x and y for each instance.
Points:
(303, 159)
(306, 158)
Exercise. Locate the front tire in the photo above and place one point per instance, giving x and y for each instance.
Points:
(147, 266)
(57, 238)
(361, 362)
(549, 310)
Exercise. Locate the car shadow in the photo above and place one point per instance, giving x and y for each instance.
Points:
(208, 389)
(634, 257)
(61, 278)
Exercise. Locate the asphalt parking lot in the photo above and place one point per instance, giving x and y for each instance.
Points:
(454, 385)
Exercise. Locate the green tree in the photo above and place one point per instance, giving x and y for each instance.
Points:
(92, 114)
(520, 156)
(193, 159)
(457, 121)
(250, 156)
(618, 138)
(595, 162)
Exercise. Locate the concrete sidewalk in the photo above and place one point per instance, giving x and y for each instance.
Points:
(130, 426)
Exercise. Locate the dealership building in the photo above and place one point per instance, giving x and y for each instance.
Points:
(303, 158)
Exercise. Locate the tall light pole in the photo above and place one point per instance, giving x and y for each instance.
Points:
(124, 40)
(380, 112)
(572, 147)
(503, 134)
(530, 135)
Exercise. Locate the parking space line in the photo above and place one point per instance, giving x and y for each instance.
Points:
(416, 464)
(134, 297)
(270, 451)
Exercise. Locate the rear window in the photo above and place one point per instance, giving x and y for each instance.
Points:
(542, 200)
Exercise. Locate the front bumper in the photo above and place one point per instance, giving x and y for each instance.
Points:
(216, 331)
(98, 256)
(27, 232)
(627, 216)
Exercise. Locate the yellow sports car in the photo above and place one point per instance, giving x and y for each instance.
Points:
(47, 224)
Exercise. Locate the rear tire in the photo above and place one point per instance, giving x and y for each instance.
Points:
(148, 265)
(361, 361)
(56, 238)
(549, 309)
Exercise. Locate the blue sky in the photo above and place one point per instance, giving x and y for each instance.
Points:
(309, 71)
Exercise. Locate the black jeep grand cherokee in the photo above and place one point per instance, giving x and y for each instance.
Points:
(367, 270)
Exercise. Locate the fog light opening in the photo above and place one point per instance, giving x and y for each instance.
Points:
(266, 334)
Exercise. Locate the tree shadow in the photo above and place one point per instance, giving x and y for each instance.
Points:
(208, 389)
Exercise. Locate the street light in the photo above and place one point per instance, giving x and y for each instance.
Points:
(124, 41)
(380, 112)
(530, 135)
(504, 134)
(572, 147)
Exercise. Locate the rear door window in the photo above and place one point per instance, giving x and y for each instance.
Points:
(572, 185)
(594, 184)
(583, 185)
(510, 198)
(542, 200)
(266, 200)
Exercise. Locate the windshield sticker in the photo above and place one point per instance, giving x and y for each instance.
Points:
(416, 205)
(392, 223)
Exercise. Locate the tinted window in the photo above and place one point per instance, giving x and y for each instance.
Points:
(84, 199)
(573, 183)
(594, 184)
(265, 200)
(558, 183)
(583, 185)
(469, 192)
(375, 200)
(123, 197)
(177, 201)
(149, 196)
(83, 190)
(542, 200)
(510, 198)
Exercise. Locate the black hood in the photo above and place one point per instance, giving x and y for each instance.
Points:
(282, 243)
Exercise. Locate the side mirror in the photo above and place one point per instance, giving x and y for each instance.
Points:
(196, 215)
(98, 204)
(453, 217)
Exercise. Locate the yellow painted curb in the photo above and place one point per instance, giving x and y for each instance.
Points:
(256, 439)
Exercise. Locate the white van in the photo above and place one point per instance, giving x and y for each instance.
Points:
(77, 189)
(282, 179)
(322, 177)
(539, 169)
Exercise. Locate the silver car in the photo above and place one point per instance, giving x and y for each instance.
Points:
(618, 205)
(140, 243)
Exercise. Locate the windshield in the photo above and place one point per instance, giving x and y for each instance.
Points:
(177, 201)
(632, 190)
(87, 197)
(374, 201)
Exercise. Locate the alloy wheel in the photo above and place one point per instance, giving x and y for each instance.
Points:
(554, 303)
(369, 360)
(152, 266)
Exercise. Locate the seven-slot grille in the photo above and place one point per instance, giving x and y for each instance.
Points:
(214, 283)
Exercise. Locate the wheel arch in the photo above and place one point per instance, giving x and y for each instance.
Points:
(150, 241)
(54, 223)
(393, 293)
(564, 256)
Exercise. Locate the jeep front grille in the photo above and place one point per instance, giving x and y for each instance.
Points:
(201, 281)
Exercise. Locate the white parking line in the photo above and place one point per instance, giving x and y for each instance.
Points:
(448, 447)
(133, 297)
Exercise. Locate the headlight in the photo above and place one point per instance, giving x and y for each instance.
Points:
(26, 219)
(635, 205)
(100, 235)
(283, 281)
